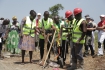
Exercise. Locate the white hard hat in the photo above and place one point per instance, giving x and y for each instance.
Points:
(102, 15)
(38, 13)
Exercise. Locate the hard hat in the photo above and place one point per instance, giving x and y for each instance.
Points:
(77, 11)
(38, 14)
(14, 17)
(68, 13)
(102, 16)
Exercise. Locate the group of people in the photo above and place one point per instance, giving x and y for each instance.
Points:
(74, 30)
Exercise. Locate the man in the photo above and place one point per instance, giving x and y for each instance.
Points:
(64, 45)
(101, 34)
(28, 25)
(45, 24)
(57, 47)
(88, 39)
(71, 19)
(93, 32)
(3, 30)
(38, 20)
(79, 32)
(86, 52)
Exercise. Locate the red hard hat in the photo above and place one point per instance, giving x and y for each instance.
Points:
(68, 13)
(77, 11)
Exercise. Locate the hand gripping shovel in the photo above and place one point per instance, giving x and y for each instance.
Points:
(45, 58)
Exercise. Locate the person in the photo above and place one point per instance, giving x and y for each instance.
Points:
(71, 21)
(57, 46)
(88, 39)
(64, 40)
(38, 20)
(47, 25)
(3, 33)
(86, 52)
(13, 36)
(79, 32)
(67, 41)
(101, 35)
(28, 25)
(93, 32)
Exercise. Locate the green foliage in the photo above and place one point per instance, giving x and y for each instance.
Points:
(54, 10)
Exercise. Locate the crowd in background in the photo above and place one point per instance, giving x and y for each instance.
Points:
(73, 31)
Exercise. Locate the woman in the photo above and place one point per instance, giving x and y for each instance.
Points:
(28, 35)
(13, 37)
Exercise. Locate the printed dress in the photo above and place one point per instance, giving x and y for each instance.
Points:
(13, 40)
(27, 43)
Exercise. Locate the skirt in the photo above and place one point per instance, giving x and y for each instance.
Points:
(27, 43)
(12, 42)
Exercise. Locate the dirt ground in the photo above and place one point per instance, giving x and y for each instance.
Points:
(14, 63)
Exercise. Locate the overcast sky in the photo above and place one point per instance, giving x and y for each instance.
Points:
(21, 8)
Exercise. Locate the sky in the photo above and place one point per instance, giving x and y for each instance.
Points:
(21, 8)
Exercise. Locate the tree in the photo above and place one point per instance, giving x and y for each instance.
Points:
(54, 10)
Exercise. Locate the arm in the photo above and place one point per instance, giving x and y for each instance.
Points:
(100, 28)
(91, 29)
(22, 25)
(84, 27)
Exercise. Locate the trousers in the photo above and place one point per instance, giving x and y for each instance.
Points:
(76, 52)
(101, 37)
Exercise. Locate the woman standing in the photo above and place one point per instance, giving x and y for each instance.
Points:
(28, 35)
(13, 36)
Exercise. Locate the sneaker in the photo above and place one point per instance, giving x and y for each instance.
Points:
(85, 54)
(99, 54)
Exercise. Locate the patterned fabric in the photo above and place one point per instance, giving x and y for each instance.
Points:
(12, 41)
(28, 43)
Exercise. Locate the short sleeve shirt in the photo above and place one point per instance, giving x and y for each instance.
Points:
(101, 23)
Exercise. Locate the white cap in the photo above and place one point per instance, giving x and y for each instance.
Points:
(102, 15)
(88, 17)
(38, 13)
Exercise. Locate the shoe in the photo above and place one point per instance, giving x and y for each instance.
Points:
(85, 54)
(80, 65)
(73, 67)
(99, 54)
(93, 56)
(52, 64)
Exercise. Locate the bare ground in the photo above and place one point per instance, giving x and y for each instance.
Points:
(14, 63)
